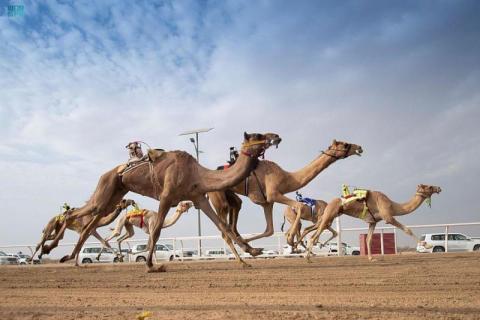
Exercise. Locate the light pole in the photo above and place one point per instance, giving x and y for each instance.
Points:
(197, 152)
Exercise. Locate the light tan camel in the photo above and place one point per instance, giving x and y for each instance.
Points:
(145, 220)
(54, 225)
(171, 177)
(377, 206)
(307, 215)
(269, 183)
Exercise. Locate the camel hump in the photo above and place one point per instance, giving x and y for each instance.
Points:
(155, 154)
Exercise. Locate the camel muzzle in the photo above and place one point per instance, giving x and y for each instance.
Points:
(359, 152)
(275, 142)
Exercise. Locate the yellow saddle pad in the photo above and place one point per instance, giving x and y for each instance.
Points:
(136, 213)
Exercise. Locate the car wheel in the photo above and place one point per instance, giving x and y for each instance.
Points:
(87, 260)
(116, 260)
(171, 258)
(140, 259)
(438, 249)
(477, 247)
(355, 253)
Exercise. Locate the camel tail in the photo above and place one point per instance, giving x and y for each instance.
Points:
(283, 224)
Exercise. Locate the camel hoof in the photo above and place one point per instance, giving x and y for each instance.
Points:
(64, 258)
(246, 265)
(309, 260)
(255, 251)
(372, 259)
(160, 268)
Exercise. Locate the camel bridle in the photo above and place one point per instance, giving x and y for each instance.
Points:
(265, 143)
(346, 152)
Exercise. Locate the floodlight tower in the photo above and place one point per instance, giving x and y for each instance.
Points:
(197, 152)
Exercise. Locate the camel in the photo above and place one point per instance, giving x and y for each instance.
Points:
(145, 220)
(306, 214)
(269, 183)
(374, 206)
(170, 177)
(54, 225)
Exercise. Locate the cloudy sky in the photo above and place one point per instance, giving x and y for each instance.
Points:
(79, 80)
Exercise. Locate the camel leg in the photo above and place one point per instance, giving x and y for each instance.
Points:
(46, 249)
(204, 205)
(129, 233)
(104, 243)
(306, 231)
(268, 212)
(118, 228)
(394, 222)
(83, 237)
(334, 235)
(331, 211)
(371, 229)
(280, 198)
(165, 205)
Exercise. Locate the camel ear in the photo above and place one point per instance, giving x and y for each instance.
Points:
(334, 141)
(246, 135)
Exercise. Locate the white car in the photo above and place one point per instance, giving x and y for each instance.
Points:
(90, 255)
(162, 252)
(24, 259)
(6, 259)
(435, 242)
(347, 249)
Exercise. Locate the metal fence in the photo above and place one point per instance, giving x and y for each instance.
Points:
(214, 246)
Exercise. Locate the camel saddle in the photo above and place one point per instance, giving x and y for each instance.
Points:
(308, 201)
(137, 213)
(356, 195)
(151, 156)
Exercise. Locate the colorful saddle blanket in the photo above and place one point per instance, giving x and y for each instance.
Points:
(356, 195)
(136, 213)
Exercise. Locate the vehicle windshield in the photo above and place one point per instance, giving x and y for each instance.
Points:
(169, 246)
(2, 253)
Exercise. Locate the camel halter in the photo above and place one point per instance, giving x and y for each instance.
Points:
(253, 143)
(428, 198)
(347, 150)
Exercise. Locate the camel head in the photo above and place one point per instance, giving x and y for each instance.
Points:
(125, 203)
(342, 150)
(255, 144)
(183, 206)
(426, 191)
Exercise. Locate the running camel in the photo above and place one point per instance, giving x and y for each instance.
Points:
(171, 177)
(372, 207)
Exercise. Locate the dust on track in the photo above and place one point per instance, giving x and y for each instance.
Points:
(440, 286)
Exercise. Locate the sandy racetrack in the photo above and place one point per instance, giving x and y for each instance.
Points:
(439, 286)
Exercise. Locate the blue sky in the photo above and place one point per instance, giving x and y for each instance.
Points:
(78, 80)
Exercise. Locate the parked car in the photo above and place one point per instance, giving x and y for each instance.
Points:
(89, 255)
(435, 242)
(24, 259)
(6, 259)
(347, 249)
(162, 252)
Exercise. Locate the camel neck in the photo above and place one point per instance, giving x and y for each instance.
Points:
(170, 221)
(409, 206)
(303, 176)
(110, 217)
(215, 180)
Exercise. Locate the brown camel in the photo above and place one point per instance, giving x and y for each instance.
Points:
(375, 207)
(307, 215)
(145, 220)
(269, 183)
(54, 225)
(171, 177)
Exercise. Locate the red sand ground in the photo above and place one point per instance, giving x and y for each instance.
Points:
(428, 286)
